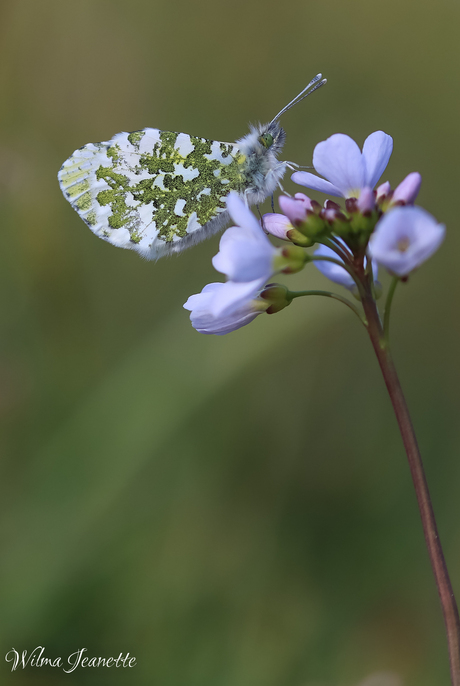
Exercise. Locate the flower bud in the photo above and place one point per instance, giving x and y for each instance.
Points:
(366, 201)
(278, 297)
(295, 208)
(290, 259)
(298, 238)
(277, 225)
(331, 205)
(407, 190)
(314, 225)
(383, 190)
(351, 205)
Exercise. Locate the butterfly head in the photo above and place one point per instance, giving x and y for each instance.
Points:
(271, 137)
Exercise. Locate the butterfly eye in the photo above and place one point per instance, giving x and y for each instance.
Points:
(266, 139)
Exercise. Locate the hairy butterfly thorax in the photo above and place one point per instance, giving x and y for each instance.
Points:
(158, 192)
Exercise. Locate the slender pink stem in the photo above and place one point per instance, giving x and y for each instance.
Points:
(438, 563)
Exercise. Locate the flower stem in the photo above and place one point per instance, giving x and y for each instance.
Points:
(386, 317)
(328, 294)
(438, 564)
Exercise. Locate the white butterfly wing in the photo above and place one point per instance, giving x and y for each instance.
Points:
(153, 191)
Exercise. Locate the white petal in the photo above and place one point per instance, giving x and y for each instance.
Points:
(245, 260)
(315, 183)
(233, 296)
(241, 214)
(377, 151)
(220, 327)
(339, 160)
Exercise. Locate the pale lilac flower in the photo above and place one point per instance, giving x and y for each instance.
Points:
(245, 253)
(408, 189)
(246, 257)
(334, 272)
(277, 225)
(202, 307)
(345, 168)
(404, 238)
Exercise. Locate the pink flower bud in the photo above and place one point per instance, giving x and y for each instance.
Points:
(277, 225)
(408, 189)
(383, 190)
(366, 200)
(295, 208)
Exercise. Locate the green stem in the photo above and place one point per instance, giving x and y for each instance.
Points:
(334, 296)
(438, 563)
(337, 248)
(386, 318)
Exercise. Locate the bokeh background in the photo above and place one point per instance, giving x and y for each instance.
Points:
(233, 511)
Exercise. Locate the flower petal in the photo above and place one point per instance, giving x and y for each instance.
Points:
(295, 209)
(339, 160)
(229, 299)
(315, 183)
(377, 151)
(205, 322)
(277, 225)
(244, 260)
(332, 271)
(404, 238)
(241, 214)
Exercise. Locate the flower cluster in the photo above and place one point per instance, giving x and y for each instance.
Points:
(372, 227)
(248, 260)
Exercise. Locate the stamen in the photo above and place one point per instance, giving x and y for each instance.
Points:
(403, 244)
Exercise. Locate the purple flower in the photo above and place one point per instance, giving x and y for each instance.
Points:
(345, 168)
(245, 253)
(202, 310)
(246, 257)
(404, 238)
(334, 272)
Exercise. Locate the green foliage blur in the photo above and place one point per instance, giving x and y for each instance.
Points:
(233, 511)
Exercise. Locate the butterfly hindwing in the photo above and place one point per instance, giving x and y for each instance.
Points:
(152, 191)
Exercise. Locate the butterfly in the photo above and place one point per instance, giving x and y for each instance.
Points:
(158, 192)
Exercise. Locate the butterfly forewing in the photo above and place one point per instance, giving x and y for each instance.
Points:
(150, 190)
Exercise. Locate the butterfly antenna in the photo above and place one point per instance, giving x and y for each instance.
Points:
(308, 90)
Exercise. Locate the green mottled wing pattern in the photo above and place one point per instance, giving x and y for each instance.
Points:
(152, 191)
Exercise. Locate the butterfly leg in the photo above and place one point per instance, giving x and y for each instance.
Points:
(262, 223)
(293, 166)
(283, 191)
(273, 203)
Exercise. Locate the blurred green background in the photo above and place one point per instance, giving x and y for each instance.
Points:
(233, 511)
